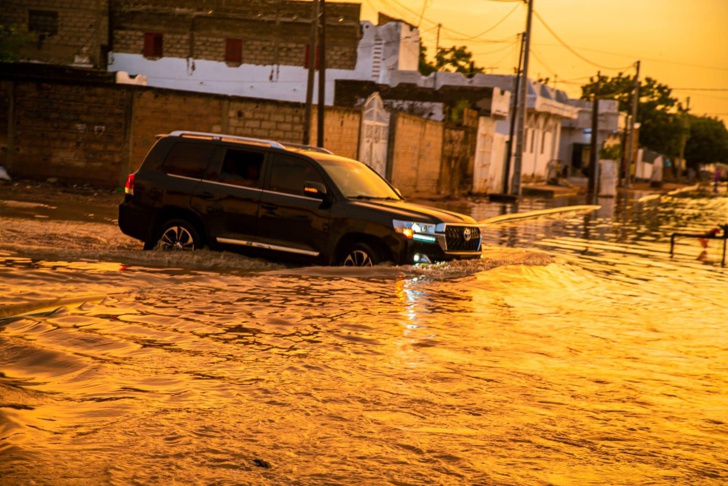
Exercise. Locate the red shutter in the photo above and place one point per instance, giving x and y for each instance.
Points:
(234, 51)
(153, 43)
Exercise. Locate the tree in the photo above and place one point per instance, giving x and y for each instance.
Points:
(452, 59)
(708, 142)
(425, 67)
(12, 38)
(457, 59)
(658, 112)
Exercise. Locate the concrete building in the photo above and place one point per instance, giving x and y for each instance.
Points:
(575, 148)
(61, 32)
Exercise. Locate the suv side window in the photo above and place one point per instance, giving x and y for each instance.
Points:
(189, 159)
(288, 175)
(242, 168)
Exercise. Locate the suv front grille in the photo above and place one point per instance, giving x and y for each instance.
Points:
(462, 238)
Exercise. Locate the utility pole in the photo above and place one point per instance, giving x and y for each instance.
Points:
(633, 119)
(437, 51)
(684, 134)
(523, 99)
(322, 77)
(311, 74)
(593, 187)
(513, 115)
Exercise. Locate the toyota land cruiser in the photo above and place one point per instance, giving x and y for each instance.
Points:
(282, 200)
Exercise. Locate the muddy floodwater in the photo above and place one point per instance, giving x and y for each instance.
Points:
(577, 351)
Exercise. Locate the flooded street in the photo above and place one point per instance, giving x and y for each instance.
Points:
(577, 351)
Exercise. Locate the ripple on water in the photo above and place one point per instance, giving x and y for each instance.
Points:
(593, 360)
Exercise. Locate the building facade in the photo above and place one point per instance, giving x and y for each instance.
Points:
(61, 32)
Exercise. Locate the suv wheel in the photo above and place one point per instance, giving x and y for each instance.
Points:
(360, 255)
(179, 235)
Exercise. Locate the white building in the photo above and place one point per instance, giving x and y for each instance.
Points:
(575, 146)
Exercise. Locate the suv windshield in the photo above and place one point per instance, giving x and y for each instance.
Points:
(356, 180)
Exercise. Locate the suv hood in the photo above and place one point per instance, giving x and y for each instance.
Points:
(415, 212)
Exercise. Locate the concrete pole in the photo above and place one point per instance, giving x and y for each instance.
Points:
(311, 74)
(593, 188)
(633, 120)
(523, 98)
(322, 77)
(512, 128)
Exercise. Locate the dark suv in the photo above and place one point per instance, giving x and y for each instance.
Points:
(282, 200)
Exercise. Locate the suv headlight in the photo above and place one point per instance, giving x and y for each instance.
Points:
(414, 230)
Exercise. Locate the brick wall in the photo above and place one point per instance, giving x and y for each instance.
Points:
(415, 154)
(98, 133)
(272, 33)
(157, 111)
(82, 28)
(65, 132)
(342, 127)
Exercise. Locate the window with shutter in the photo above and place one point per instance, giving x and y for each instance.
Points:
(153, 45)
(234, 51)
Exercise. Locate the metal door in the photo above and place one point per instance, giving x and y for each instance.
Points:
(483, 156)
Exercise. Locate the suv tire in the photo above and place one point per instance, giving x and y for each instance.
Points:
(360, 255)
(178, 235)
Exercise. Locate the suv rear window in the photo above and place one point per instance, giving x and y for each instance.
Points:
(189, 159)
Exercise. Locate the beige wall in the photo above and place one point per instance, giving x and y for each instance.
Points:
(97, 134)
(416, 154)
(64, 132)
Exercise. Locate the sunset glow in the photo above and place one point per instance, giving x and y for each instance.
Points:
(680, 44)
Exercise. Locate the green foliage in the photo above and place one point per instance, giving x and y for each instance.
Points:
(452, 59)
(456, 112)
(612, 152)
(12, 38)
(708, 142)
(425, 67)
(457, 59)
(658, 112)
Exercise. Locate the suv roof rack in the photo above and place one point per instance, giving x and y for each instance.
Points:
(222, 136)
(308, 147)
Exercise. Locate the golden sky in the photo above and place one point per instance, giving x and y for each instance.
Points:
(680, 43)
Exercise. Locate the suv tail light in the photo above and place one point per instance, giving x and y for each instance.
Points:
(129, 187)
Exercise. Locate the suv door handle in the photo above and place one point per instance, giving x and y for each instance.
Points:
(269, 206)
(205, 195)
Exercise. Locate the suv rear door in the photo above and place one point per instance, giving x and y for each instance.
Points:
(290, 220)
(229, 196)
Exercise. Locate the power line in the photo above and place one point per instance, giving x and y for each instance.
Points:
(543, 22)
(699, 89)
(489, 29)
(632, 56)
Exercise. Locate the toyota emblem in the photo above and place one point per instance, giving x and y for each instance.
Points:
(466, 234)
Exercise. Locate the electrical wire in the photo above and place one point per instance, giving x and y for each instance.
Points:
(699, 89)
(534, 53)
(487, 30)
(570, 49)
(422, 15)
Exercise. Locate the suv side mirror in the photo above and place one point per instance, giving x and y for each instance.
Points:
(315, 189)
